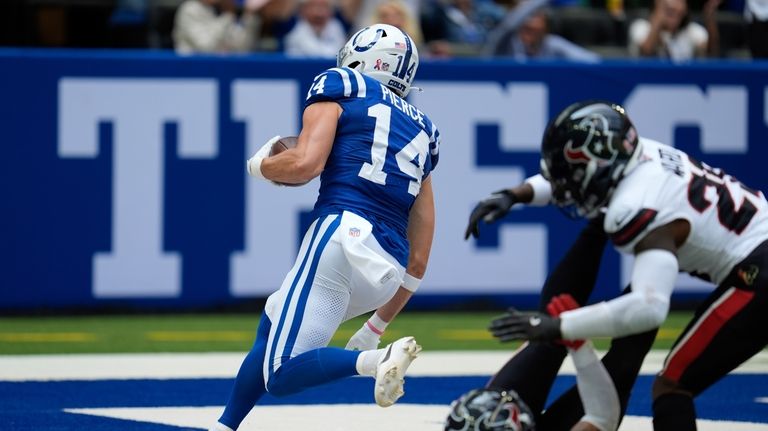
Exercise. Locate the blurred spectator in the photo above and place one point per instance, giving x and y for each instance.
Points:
(756, 12)
(397, 14)
(470, 21)
(709, 16)
(363, 10)
(671, 34)
(317, 33)
(524, 34)
(212, 26)
(458, 27)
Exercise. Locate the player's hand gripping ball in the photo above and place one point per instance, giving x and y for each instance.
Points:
(282, 144)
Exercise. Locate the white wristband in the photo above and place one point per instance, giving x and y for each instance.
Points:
(376, 324)
(410, 282)
(254, 167)
(542, 190)
(253, 164)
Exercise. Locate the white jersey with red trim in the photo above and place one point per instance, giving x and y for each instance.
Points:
(728, 219)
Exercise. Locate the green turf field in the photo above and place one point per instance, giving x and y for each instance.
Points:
(234, 332)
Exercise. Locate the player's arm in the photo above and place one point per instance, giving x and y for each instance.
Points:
(421, 229)
(534, 190)
(598, 394)
(596, 390)
(307, 159)
(653, 278)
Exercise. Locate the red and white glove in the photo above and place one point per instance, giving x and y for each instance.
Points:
(559, 304)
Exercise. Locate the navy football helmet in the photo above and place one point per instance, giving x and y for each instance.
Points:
(587, 149)
(489, 410)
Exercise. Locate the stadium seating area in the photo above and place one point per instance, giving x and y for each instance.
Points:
(597, 30)
(97, 24)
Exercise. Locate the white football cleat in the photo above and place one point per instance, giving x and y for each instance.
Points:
(391, 370)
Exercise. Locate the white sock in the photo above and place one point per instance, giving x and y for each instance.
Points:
(220, 427)
(367, 362)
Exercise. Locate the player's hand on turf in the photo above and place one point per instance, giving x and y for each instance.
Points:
(518, 325)
(364, 339)
(253, 165)
(489, 210)
(559, 304)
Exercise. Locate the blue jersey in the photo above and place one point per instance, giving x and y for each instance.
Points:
(384, 148)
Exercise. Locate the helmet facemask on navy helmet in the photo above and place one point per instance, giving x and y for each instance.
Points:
(586, 151)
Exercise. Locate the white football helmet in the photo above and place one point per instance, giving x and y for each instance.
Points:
(385, 53)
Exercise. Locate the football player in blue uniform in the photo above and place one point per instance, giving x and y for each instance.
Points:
(368, 246)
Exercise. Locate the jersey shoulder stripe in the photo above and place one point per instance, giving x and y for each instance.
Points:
(346, 82)
(353, 81)
(361, 88)
(636, 225)
(434, 146)
(336, 84)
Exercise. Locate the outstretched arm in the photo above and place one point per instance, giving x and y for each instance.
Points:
(534, 191)
(598, 393)
(622, 362)
(599, 397)
(653, 278)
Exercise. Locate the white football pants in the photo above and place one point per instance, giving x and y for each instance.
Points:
(341, 272)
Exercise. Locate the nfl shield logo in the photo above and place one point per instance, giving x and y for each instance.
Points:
(354, 232)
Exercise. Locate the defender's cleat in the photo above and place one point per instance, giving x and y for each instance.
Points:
(391, 370)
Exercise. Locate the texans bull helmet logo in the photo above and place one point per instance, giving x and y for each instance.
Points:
(598, 141)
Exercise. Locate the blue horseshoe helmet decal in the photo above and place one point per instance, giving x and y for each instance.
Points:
(379, 33)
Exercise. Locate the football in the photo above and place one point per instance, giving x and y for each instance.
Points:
(283, 144)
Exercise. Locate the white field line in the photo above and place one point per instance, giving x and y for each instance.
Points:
(346, 417)
(225, 365)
